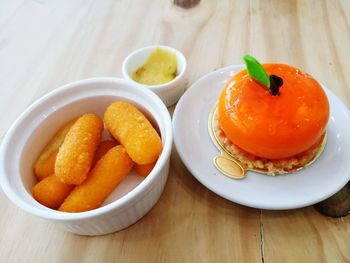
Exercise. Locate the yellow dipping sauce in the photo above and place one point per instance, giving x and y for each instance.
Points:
(160, 68)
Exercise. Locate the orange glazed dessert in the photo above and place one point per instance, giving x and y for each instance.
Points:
(278, 124)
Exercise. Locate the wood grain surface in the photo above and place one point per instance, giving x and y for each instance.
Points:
(44, 44)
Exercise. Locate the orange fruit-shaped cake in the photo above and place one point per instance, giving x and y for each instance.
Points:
(274, 127)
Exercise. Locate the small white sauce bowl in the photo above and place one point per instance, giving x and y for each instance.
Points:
(37, 124)
(169, 92)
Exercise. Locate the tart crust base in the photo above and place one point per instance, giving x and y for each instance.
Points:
(263, 165)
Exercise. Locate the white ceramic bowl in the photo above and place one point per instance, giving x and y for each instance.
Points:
(34, 128)
(169, 92)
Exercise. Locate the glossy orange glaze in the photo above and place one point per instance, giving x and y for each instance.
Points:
(274, 127)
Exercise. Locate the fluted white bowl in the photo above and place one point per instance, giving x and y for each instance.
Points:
(169, 92)
(36, 125)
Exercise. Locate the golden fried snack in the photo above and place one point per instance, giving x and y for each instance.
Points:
(132, 129)
(144, 169)
(51, 192)
(102, 149)
(76, 153)
(108, 172)
(45, 164)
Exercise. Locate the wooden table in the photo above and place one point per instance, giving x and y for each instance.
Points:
(44, 44)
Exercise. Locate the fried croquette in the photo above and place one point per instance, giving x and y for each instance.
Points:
(75, 156)
(108, 172)
(134, 131)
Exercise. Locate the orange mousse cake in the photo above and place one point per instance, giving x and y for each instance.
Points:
(277, 125)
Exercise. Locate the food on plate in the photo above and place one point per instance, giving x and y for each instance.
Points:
(160, 68)
(272, 117)
(102, 148)
(108, 172)
(51, 192)
(45, 164)
(133, 130)
(76, 153)
(144, 169)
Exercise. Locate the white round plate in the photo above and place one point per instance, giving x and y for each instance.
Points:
(306, 187)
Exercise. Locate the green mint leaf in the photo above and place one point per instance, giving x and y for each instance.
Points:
(256, 71)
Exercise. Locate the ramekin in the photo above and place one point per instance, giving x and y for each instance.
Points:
(36, 125)
(169, 92)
